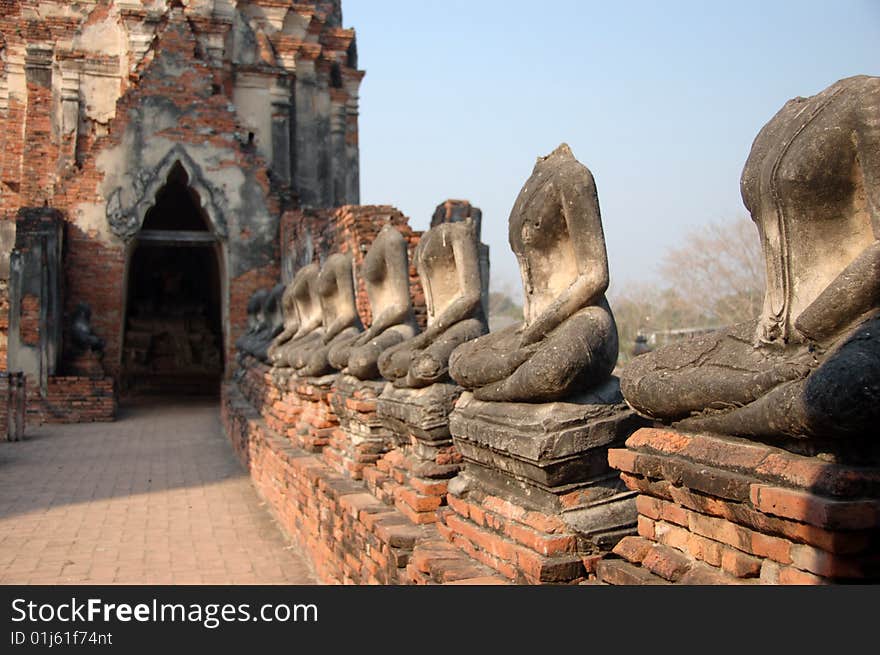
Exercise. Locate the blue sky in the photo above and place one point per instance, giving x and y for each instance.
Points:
(661, 100)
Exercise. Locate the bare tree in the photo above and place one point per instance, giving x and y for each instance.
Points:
(715, 278)
(718, 268)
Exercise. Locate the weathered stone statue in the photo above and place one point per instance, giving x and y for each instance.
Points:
(335, 285)
(290, 325)
(273, 326)
(254, 320)
(542, 407)
(568, 341)
(385, 270)
(448, 263)
(809, 366)
(83, 337)
(308, 307)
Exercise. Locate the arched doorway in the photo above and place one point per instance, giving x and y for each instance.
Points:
(173, 339)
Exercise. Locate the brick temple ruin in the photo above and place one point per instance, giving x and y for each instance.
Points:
(179, 213)
(151, 153)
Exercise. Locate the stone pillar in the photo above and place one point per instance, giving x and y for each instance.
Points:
(12, 406)
(352, 82)
(323, 108)
(260, 101)
(35, 302)
(306, 180)
(69, 115)
(281, 164)
(338, 158)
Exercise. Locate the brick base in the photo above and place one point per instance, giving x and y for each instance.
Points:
(297, 408)
(716, 510)
(72, 399)
(415, 473)
(351, 536)
(525, 546)
(414, 481)
(537, 500)
(361, 439)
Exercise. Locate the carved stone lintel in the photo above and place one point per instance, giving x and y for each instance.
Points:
(127, 207)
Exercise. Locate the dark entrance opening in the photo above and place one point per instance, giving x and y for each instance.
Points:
(173, 331)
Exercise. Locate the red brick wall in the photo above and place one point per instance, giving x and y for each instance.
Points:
(72, 400)
(39, 147)
(351, 536)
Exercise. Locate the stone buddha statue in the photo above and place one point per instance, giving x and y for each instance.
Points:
(290, 324)
(568, 341)
(809, 366)
(341, 323)
(255, 320)
(304, 289)
(273, 326)
(82, 333)
(448, 263)
(385, 271)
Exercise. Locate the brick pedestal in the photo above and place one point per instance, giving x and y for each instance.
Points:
(361, 438)
(414, 474)
(317, 421)
(297, 408)
(721, 510)
(72, 399)
(87, 364)
(537, 500)
(351, 536)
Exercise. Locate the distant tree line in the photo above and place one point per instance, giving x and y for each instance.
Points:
(715, 278)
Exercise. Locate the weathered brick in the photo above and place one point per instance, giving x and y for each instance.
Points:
(739, 564)
(632, 549)
(619, 572)
(646, 527)
(810, 508)
(669, 563)
(648, 506)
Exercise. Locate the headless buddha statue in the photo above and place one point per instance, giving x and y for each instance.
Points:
(82, 335)
(568, 341)
(290, 325)
(293, 354)
(255, 321)
(809, 366)
(274, 323)
(341, 323)
(447, 260)
(385, 270)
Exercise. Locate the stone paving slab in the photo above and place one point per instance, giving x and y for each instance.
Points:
(157, 497)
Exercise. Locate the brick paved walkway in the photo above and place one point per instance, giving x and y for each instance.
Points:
(155, 498)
